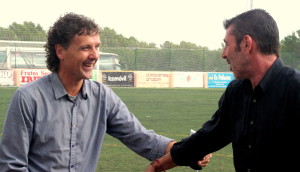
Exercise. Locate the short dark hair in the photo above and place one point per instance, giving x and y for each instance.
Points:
(258, 24)
(63, 31)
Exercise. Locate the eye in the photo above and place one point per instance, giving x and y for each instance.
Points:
(84, 48)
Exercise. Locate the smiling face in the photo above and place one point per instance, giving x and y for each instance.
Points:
(234, 55)
(78, 60)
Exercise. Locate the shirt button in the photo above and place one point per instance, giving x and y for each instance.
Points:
(73, 125)
(249, 146)
(72, 166)
(248, 170)
(251, 122)
(73, 146)
(254, 100)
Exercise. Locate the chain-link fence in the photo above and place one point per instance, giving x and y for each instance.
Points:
(138, 59)
(31, 55)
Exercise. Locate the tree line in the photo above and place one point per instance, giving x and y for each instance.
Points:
(29, 31)
(136, 53)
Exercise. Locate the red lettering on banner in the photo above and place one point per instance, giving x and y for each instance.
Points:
(22, 78)
(29, 78)
(36, 77)
(25, 79)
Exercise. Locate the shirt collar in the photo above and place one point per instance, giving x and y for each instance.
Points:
(59, 90)
(268, 79)
(84, 89)
(271, 75)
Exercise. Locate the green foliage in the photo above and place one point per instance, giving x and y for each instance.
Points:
(291, 43)
(291, 59)
(143, 56)
(110, 38)
(27, 31)
(290, 50)
(182, 45)
(7, 34)
(168, 44)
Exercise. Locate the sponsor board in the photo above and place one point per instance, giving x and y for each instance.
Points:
(219, 80)
(6, 77)
(150, 79)
(29, 75)
(95, 76)
(187, 79)
(118, 79)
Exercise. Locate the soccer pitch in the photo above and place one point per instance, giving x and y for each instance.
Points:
(171, 112)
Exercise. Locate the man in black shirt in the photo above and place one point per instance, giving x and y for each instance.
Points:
(258, 112)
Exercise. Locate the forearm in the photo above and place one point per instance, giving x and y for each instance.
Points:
(14, 145)
(161, 164)
(170, 145)
(167, 162)
(13, 150)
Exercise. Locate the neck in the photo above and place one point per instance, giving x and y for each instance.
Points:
(71, 86)
(73, 89)
(261, 66)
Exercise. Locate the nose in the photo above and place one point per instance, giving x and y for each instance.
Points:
(94, 54)
(224, 54)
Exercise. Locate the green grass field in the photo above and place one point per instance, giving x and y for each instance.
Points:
(171, 112)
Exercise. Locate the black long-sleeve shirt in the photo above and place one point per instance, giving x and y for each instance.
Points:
(263, 125)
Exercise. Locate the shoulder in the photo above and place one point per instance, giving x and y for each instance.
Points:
(96, 86)
(103, 94)
(38, 85)
(291, 77)
(96, 89)
(235, 84)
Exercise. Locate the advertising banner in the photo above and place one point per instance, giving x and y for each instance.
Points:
(150, 79)
(187, 79)
(28, 75)
(6, 77)
(96, 74)
(118, 79)
(219, 80)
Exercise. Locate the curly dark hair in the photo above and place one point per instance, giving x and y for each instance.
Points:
(63, 31)
(260, 25)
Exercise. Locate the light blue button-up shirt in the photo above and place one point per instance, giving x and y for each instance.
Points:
(45, 130)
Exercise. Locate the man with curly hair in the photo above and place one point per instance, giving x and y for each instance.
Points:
(58, 122)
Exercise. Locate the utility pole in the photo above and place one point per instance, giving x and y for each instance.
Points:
(249, 4)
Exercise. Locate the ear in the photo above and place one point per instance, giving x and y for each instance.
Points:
(59, 51)
(247, 44)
